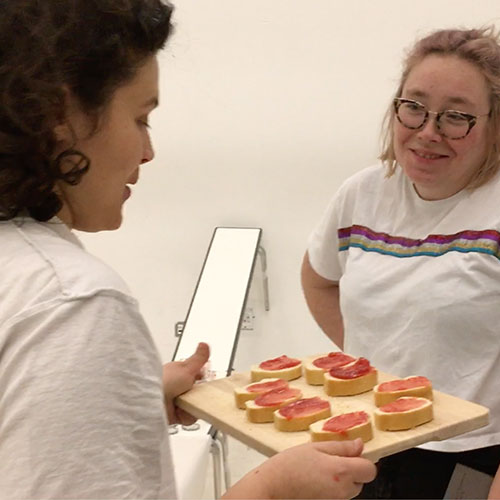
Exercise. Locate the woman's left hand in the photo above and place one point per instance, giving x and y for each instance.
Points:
(178, 378)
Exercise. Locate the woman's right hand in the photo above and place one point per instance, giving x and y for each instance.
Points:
(327, 469)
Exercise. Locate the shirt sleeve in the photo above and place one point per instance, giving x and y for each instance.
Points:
(81, 404)
(323, 246)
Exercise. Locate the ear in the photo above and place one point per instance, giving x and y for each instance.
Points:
(64, 130)
(63, 133)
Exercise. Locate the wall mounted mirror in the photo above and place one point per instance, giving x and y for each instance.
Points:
(218, 303)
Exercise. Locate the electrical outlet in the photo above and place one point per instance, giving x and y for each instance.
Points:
(248, 319)
(179, 328)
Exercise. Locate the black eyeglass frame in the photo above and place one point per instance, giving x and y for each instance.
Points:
(471, 119)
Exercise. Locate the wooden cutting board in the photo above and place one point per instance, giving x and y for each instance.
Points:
(214, 402)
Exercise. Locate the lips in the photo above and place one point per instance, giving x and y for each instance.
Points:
(130, 182)
(134, 177)
(126, 193)
(428, 155)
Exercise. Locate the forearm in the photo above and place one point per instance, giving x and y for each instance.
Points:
(323, 299)
(494, 493)
(325, 308)
(252, 485)
(306, 471)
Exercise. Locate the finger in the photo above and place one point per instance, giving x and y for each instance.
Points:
(196, 361)
(341, 448)
(344, 476)
(355, 490)
(184, 418)
(362, 470)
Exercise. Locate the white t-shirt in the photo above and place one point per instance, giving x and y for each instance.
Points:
(81, 401)
(419, 285)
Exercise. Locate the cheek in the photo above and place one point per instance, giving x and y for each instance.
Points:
(474, 149)
(400, 138)
(402, 134)
(126, 151)
(134, 144)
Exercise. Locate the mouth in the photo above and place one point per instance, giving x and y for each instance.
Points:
(133, 179)
(428, 155)
(127, 192)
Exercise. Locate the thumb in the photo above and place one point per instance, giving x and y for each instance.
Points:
(196, 361)
(341, 448)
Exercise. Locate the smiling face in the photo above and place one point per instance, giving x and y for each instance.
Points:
(116, 150)
(437, 166)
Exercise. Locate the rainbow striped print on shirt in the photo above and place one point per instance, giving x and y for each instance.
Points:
(434, 245)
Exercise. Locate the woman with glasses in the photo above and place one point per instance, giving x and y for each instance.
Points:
(404, 268)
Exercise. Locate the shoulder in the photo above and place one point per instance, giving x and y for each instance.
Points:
(370, 179)
(51, 249)
(44, 264)
(364, 189)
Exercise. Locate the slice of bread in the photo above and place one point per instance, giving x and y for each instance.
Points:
(261, 371)
(259, 414)
(346, 383)
(343, 427)
(299, 415)
(402, 414)
(252, 391)
(315, 374)
(387, 392)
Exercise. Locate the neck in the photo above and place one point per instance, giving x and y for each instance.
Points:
(428, 194)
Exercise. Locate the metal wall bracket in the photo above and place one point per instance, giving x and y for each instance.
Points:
(265, 281)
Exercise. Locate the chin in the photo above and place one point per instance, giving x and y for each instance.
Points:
(112, 226)
(418, 175)
(97, 226)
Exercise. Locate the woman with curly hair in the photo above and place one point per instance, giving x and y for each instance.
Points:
(84, 400)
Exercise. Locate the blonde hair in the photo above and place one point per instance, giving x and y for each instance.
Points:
(480, 47)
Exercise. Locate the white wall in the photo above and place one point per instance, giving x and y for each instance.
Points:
(267, 105)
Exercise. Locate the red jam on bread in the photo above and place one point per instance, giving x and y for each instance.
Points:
(353, 425)
(342, 423)
(332, 360)
(388, 392)
(357, 369)
(253, 391)
(276, 396)
(303, 407)
(404, 384)
(403, 404)
(267, 386)
(351, 379)
(299, 415)
(404, 413)
(279, 363)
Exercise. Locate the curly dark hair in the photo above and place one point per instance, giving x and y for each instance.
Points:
(89, 47)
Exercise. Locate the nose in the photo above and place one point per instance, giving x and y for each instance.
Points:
(148, 151)
(430, 131)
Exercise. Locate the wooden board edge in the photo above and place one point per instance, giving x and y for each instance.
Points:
(221, 426)
(440, 434)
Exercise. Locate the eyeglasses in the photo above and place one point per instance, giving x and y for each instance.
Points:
(450, 123)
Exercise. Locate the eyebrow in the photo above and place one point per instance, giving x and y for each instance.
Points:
(451, 99)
